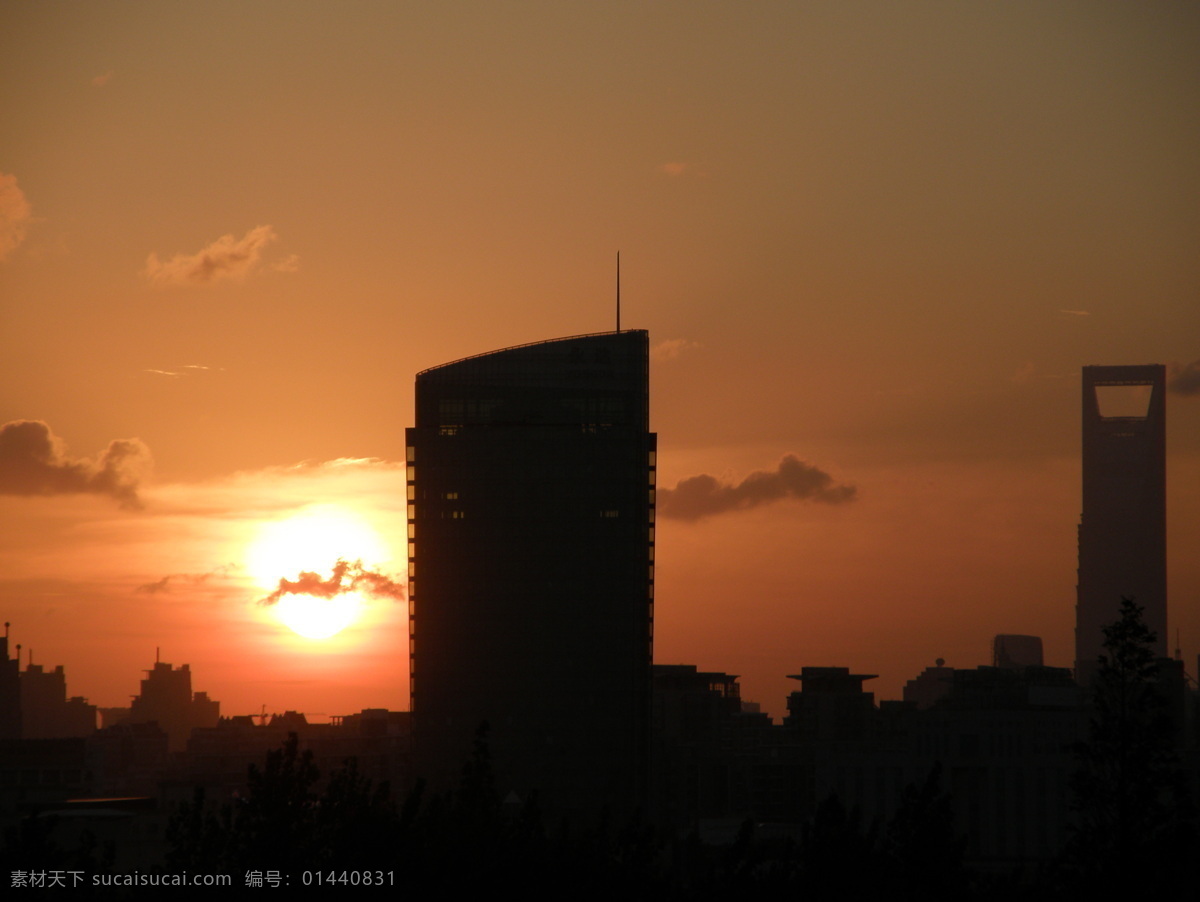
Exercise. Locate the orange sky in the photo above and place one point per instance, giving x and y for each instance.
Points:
(882, 238)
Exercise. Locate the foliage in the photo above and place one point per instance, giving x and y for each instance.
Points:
(924, 854)
(469, 841)
(283, 824)
(1134, 817)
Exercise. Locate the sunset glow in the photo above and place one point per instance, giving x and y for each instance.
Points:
(873, 246)
(318, 618)
(313, 542)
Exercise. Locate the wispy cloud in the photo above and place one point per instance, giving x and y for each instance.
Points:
(226, 258)
(672, 348)
(1075, 312)
(1184, 378)
(99, 81)
(191, 579)
(347, 577)
(33, 462)
(188, 369)
(15, 214)
(704, 496)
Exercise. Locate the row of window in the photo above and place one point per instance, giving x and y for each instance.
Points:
(411, 457)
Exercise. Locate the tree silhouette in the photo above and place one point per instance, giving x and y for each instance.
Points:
(923, 852)
(284, 824)
(1131, 800)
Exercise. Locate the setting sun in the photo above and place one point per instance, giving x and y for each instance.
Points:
(318, 618)
(312, 565)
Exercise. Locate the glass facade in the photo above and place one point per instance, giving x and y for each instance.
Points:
(531, 515)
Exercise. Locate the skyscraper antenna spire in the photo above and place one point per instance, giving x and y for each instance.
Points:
(618, 291)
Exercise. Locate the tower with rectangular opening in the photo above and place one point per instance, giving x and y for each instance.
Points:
(531, 539)
(1123, 528)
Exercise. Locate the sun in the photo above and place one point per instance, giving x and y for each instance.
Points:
(318, 618)
(313, 541)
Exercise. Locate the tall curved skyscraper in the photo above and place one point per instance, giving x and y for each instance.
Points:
(531, 567)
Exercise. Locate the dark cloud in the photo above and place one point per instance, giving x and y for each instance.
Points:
(347, 577)
(703, 496)
(193, 579)
(1184, 379)
(32, 462)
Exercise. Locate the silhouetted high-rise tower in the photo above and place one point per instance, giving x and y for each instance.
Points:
(1123, 529)
(531, 536)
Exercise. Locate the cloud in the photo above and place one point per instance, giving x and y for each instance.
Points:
(346, 577)
(32, 462)
(1076, 312)
(1184, 379)
(671, 348)
(225, 258)
(100, 81)
(15, 213)
(703, 496)
(187, 369)
(194, 579)
(676, 169)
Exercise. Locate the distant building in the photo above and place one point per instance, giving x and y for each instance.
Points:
(930, 686)
(166, 699)
(128, 759)
(110, 717)
(1123, 528)
(10, 692)
(831, 704)
(46, 712)
(531, 567)
(709, 751)
(1015, 652)
(38, 772)
(218, 757)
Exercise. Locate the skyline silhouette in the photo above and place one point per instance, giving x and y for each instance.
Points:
(874, 247)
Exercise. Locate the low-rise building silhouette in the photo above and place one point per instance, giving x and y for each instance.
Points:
(46, 712)
(166, 698)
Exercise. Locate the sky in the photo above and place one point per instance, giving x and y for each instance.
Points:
(873, 245)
